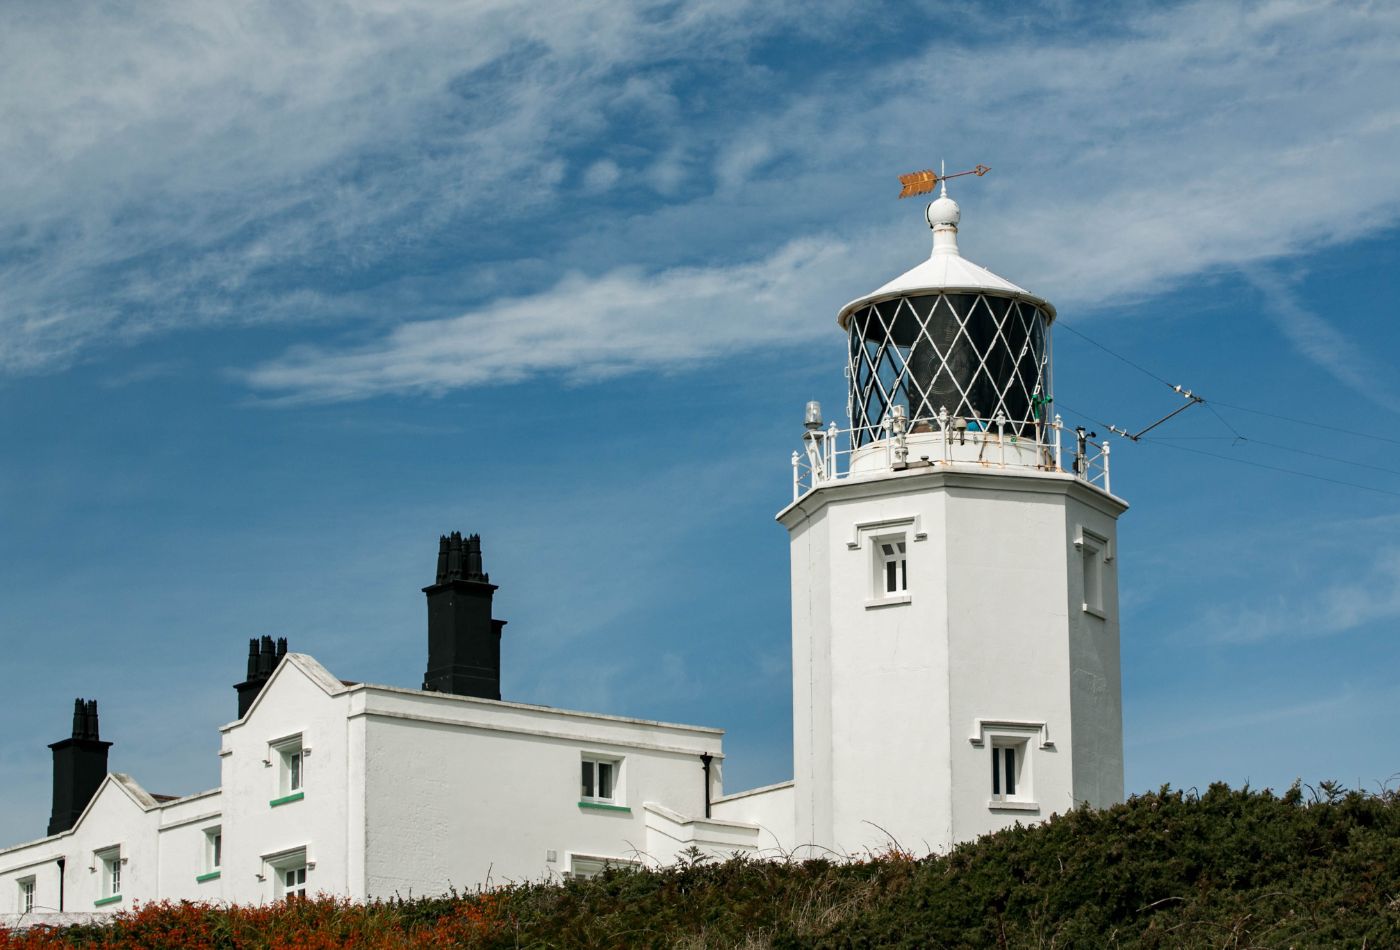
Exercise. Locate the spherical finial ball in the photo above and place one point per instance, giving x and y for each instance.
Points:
(943, 212)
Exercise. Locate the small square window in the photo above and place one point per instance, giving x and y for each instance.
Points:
(600, 777)
(294, 882)
(289, 871)
(26, 895)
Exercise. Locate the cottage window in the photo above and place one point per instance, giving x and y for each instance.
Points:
(289, 870)
(213, 849)
(289, 756)
(109, 865)
(294, 882)
(599, 779)
(26, 895)
(584, 866)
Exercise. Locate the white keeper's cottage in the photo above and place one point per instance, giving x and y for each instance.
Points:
(955, 670)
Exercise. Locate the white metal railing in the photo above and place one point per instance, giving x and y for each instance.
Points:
(828, 453)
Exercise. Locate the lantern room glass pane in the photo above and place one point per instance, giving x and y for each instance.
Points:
(976, 355)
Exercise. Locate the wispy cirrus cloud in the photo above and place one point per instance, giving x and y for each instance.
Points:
(1128, 163)
(1320, 340)
(582, 328)
(179, 164)
(1346, 581)
(286, 163)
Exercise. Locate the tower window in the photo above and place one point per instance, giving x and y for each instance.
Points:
(894, 568)
(1092, 555)
(1012, 744)
(1007, 761)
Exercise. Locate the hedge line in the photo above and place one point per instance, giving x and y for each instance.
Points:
(1230, 868)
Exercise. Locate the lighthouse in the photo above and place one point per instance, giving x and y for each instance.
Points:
(954, 552)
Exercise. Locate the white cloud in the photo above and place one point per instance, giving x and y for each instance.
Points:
(1346, 581)
(582, 328)
(1208, 138)
(288, 141)
(1320, 341)
(176, 164)
(601, 175)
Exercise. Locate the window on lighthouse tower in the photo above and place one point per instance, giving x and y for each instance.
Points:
(894, 568)
(1008, 759)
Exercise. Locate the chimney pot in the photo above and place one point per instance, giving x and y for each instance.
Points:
(264, 654)
(464, 655)
(79, 766)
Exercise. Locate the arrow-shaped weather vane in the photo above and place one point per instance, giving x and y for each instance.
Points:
(921, 183)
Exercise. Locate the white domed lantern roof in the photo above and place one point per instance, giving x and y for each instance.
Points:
(946, 269)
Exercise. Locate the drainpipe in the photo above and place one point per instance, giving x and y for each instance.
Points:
(61, 863)
(705, 759)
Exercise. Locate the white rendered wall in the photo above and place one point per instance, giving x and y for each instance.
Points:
(771, 809)
(986, 635)
(1096, 696)
(461, 791)
(181, 827)
(301, 698)
(404, 792)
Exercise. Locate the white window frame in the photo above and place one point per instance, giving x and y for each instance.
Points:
(876, 534)
(213, 849)
(893, 568)
(108, 862)
(1010, 785)
(592, 760)
(880, 562)
(289, 754)
(291, 881)
(283, 863)
(1025, 738)
(1094, 556)
(27, 887)
(583, 866)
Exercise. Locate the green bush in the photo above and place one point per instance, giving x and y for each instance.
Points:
(1230, 868)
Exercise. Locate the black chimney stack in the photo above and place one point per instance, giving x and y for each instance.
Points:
(464, 643)
(263, 657)
(79, 766)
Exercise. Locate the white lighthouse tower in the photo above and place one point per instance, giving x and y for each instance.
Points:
(954, 575)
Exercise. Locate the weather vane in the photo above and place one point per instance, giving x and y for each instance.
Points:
(921, 183)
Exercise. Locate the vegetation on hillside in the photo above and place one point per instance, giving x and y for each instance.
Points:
(1230, 868)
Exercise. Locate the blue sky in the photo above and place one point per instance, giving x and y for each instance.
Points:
(287, 290)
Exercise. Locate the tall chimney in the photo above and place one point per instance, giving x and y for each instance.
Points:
(464, 643)
(79, 766)
(263, 657)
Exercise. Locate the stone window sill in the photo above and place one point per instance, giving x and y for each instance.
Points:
(887, 602)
